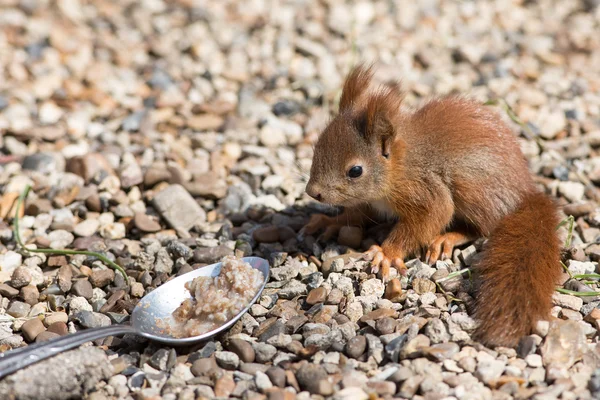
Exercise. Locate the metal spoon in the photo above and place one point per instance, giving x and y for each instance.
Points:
(158, 305)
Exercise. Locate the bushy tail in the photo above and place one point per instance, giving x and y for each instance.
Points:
(519, 269)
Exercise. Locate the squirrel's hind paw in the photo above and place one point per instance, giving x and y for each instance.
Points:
(442, 246)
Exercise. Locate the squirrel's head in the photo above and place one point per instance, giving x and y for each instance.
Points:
(353, 156)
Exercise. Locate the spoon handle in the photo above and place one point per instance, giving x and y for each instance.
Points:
(14, 360)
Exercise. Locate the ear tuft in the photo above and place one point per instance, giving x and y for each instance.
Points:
(381, 108)
(356, 84)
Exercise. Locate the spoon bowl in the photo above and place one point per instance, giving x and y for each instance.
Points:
(155, 310)
(151, 318)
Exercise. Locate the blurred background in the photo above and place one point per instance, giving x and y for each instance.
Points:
(190, 83)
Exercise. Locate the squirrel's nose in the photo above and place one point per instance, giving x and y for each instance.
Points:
(313, 191)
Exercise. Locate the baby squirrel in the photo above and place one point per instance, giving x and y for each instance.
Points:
(448, 173)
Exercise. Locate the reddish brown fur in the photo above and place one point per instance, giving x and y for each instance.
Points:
(451, 163)
(356, 83)
(519, 269)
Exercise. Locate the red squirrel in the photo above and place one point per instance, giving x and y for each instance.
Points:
(447, 173)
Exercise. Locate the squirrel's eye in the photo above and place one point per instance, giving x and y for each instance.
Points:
(355, 171)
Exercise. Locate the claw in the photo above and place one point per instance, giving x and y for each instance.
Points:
(442, 246)
(380, 262)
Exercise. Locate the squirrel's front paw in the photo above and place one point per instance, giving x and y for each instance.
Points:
(318, 222)
(383, 257)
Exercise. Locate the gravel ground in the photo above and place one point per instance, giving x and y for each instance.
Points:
(168, 134)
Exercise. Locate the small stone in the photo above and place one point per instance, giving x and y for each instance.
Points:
(137, 289)
(102, 277)
(383, 388)
(83, 288)
(227, 359)
(564, 344)
(210, 255)
(393, 290)
(160, 359)
(436, 331)
(335, 296)
(356, 346)
(242, 348)
(264, 352)
(65, 274)
(18, 309)
(8, 291)
(421, 285)
(372, 287)
(30, 294)
(56, 317)
(267, 234)
(534, 360)
(224, 386)
(60, 239)
(203, 366)
(59, 327)
(572, 191)
(277, 376)
(568, 301)
(89, 319)
(178, 208)
(489, 370)
(32, 328)
(79, 304)
(541, 328)
(21, 276)
(350, 236)
(316, 296)
(310, 377)
(379, 314)
(386, 325)
(86, 227)
(163, 262)
(46, 336)
(263, 383)
(146, 224)
(113, 231)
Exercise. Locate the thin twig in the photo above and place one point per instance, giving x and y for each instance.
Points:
(17, 234)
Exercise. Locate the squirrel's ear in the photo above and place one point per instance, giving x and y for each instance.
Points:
(382, 109)
(357, 82)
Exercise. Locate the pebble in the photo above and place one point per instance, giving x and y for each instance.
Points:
(227, 359)
(89, 319)
(146, 224)
(32, 328)
(313, 378)
(101, 278)
(83, 288)
(564, 344)
(372, 287)
(393, 290)
(86, 228)
(267, 234)
(316, 296)
(178, 208)
(356, 346)
(18, 309)
(264, 352)
(568, 301)
(242, 348)
(21, 276)
(209, 255)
